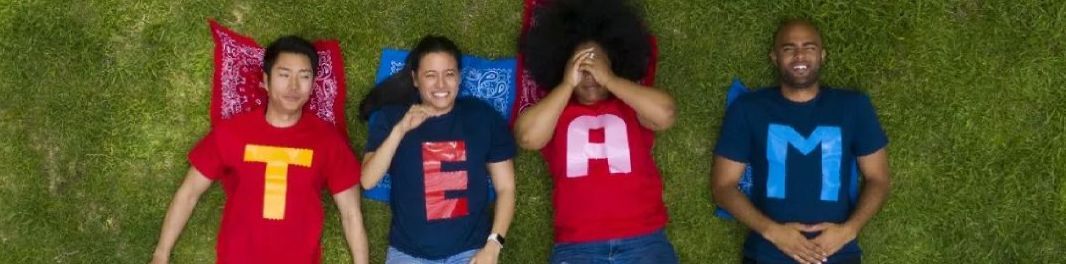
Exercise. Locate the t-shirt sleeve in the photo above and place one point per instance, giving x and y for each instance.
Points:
(342, 169)
(501, 142)
(869, 136)
(206, 156)
(379, 128)
(734, 140)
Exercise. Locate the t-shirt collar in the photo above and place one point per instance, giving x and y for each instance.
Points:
(261, 113)
(780, 96)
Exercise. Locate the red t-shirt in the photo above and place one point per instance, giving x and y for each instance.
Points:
(273, 178)
(606, 184)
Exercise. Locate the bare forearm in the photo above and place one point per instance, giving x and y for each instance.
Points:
(502, 174)
(535, 125)
(177, 216)
(505, 205)
(741, 208)
(376, 163)
(877, 183)
(185, 199)
(724, 178)
(873, 196)
(355, 233)
(348, 204)
(652, 105)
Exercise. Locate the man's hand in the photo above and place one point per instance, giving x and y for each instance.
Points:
(487, 255)
(790, 240)
(833, 237)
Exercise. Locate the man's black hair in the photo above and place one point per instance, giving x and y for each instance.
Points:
(289, 44)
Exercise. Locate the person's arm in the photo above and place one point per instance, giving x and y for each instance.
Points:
(535, 125)
(655, 108)
(787, 237)
(352, 221)
(876, 185)
(875, 188)
(376, 163)
(502, 174)
(178, 214)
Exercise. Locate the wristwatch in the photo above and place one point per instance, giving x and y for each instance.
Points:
(498, 238)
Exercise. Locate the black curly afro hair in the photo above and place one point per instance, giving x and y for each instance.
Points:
(563, 24)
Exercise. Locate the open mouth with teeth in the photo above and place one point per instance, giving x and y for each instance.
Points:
(440, 95)
(800, 68)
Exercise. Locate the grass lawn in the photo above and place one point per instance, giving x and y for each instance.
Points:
(103, 99)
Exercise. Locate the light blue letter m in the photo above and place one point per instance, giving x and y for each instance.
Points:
(779, 137)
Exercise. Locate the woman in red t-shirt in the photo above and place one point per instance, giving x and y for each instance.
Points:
(595, 130)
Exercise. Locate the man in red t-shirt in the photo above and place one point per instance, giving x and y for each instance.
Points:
(595, 130)
(273, 164)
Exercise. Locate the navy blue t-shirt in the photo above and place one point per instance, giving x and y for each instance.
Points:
(800, 154)
(440, 177)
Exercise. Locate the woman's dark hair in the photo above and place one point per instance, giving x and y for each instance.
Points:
(399, 89)
(289, 44)
(558, 28)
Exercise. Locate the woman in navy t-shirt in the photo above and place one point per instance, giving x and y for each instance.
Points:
(440, 152)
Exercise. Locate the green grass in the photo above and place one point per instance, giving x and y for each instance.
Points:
(102, 99)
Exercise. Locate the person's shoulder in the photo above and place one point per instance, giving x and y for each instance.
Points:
(846, 95)
(472, 103)
(763, 91)
(393, 109)
(389, 113)
(756, 96)
(317, 123)
(238, 122)
(475, 107)
(325, 132)
(844, 92)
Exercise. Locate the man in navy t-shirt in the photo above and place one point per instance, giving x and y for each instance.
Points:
(801, 140)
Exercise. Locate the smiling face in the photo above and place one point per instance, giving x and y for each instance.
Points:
(798, 55)
(289, 83)
(437, 80)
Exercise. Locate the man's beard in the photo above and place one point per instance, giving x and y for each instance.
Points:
(796, 83)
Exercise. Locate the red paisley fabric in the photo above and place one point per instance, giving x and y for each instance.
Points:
(237, 86)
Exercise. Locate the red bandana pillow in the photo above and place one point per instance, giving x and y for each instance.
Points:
(237, 86)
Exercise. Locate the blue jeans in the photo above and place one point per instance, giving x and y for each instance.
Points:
(650, 248)
(395, 256)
